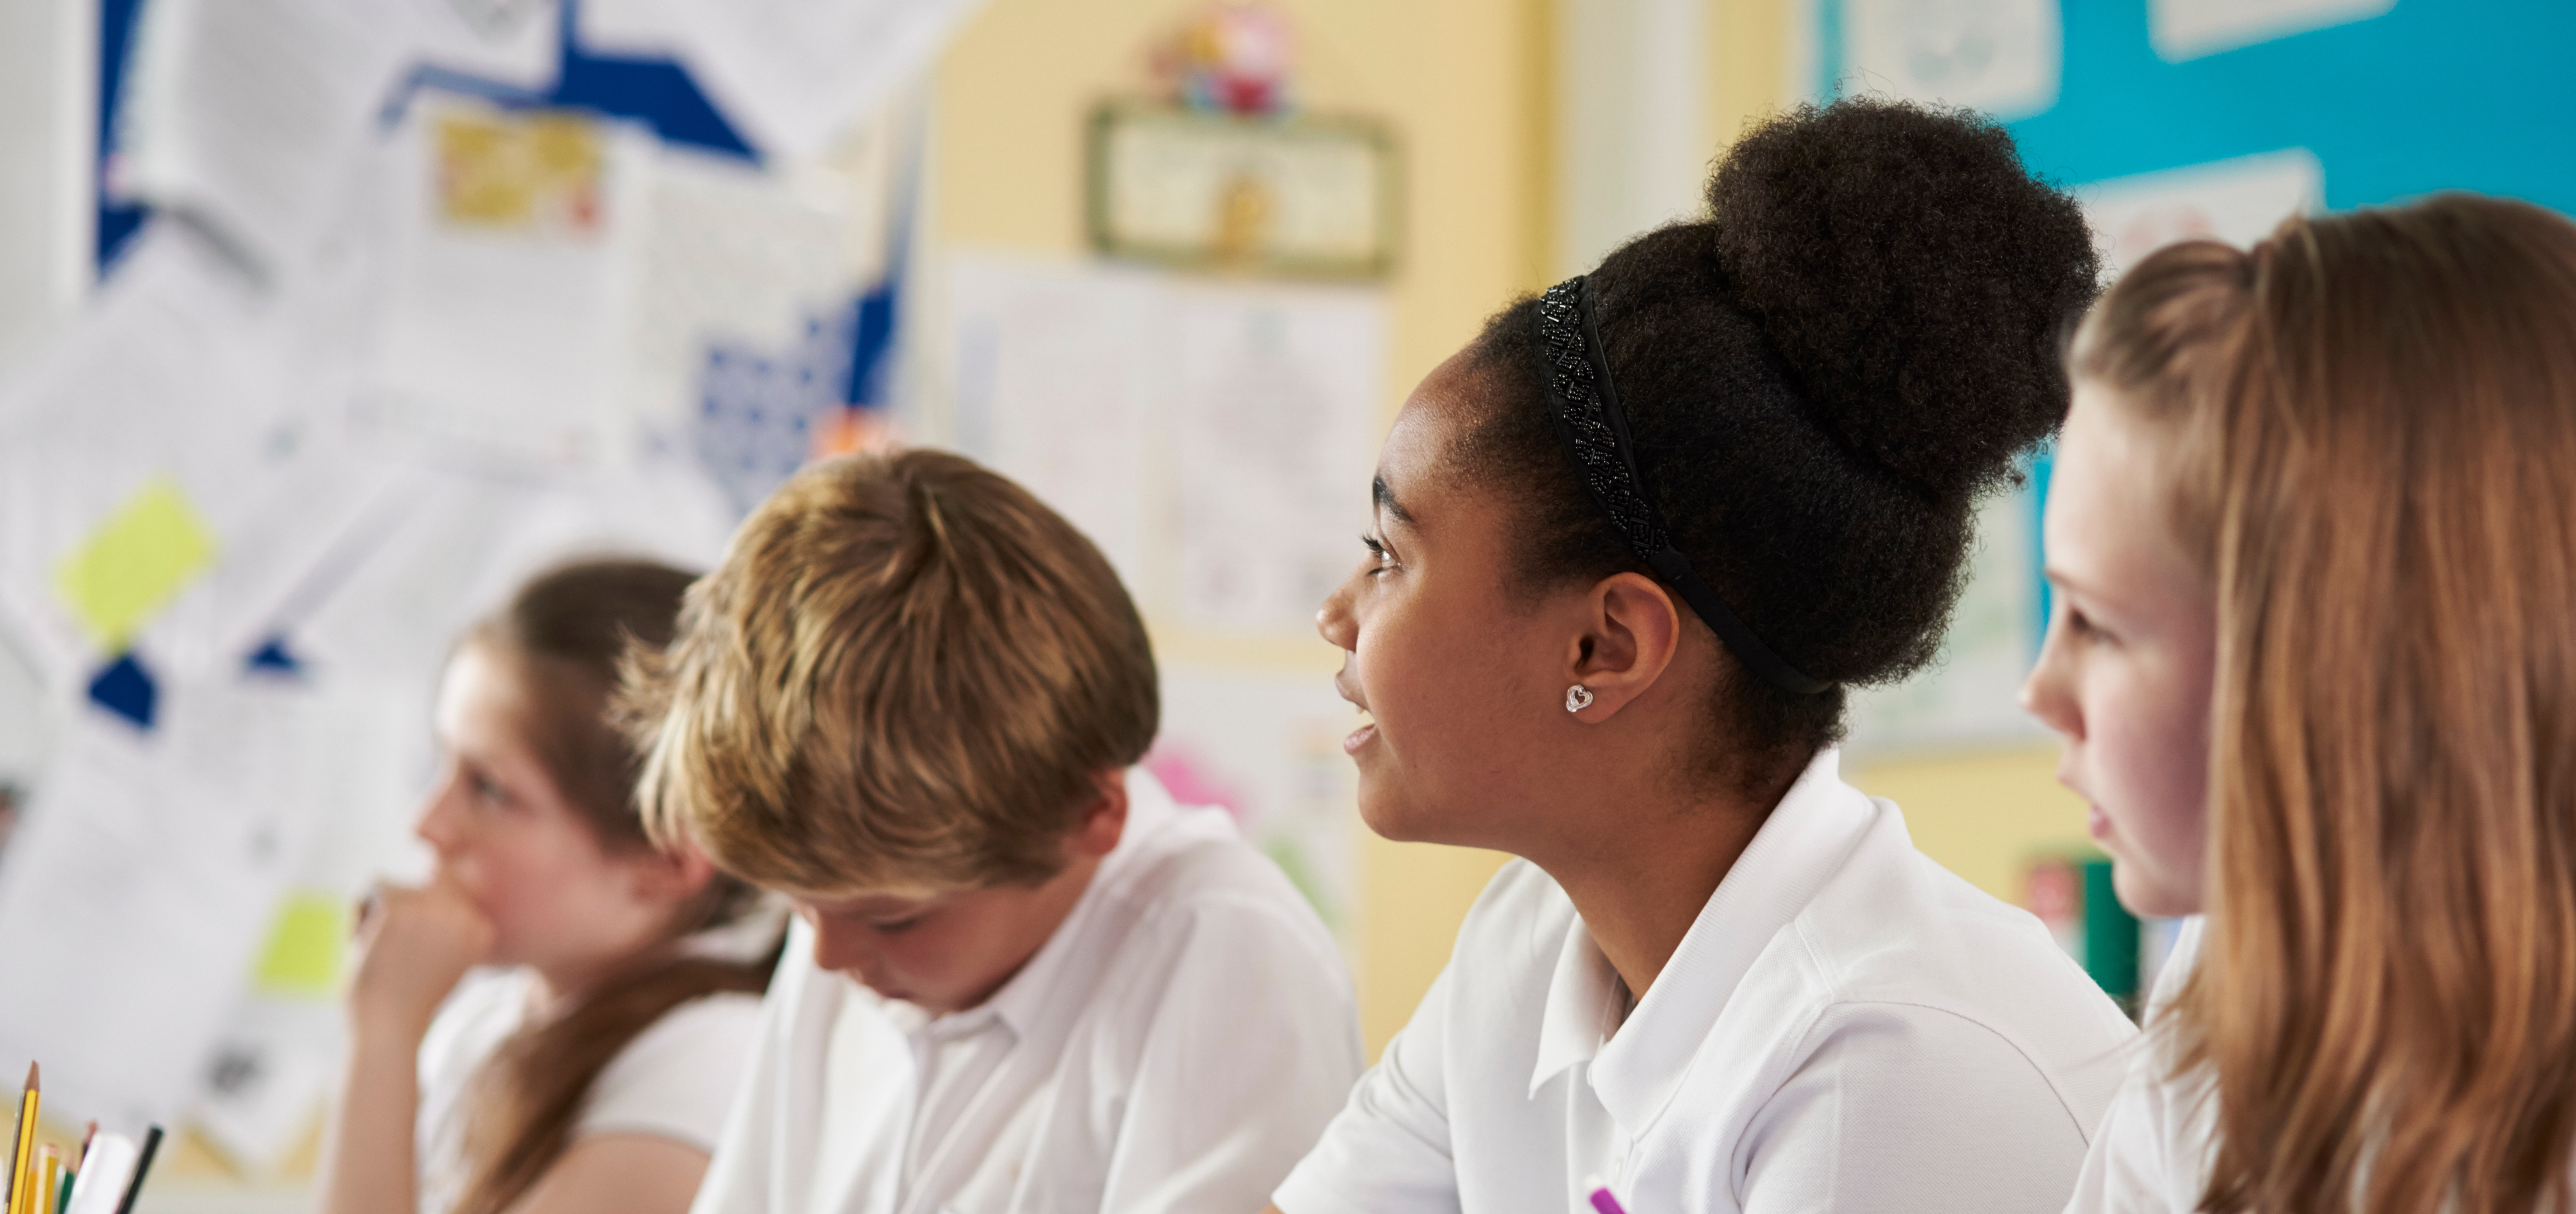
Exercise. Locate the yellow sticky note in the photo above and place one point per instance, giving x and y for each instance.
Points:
(136, 562)
(303, 954)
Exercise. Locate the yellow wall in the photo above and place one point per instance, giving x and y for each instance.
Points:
(1462, 84)
(1983, 815)
(1465, 84)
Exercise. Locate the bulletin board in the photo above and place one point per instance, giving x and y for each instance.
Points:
(2171, 119)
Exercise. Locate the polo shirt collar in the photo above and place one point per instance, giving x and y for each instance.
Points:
(1637, 1064)
(1024, 999)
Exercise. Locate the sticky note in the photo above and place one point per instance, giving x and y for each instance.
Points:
(303, 953)
(135, 563)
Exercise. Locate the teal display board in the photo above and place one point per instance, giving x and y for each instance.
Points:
(2426, 95)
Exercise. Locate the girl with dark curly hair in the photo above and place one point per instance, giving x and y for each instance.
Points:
(1631, 546)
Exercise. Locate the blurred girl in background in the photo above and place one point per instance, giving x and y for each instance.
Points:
(590, 1063)
(2313, 535)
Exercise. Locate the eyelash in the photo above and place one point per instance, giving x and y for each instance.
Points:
(1377, 548)
(898, 926)
(2082, 625)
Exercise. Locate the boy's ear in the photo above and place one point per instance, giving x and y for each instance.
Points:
(1631, 630)
(671, 875)
(1104, 821)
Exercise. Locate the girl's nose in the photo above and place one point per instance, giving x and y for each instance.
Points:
(1334, 623)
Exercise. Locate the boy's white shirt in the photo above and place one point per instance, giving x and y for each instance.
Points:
(1176, 1045)
(2157, 1142)
(1846, 1027)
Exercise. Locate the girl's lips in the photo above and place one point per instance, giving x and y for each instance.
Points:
(1360, 737)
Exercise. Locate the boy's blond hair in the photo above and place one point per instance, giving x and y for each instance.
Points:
(905, 678)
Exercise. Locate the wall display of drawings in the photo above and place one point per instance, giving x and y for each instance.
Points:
(1214, 438)
(1267, 749)
(432, 295)
(2179, 119)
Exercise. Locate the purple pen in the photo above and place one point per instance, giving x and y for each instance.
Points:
(1603, 1200)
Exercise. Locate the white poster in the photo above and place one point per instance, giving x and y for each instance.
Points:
(2189, 29)
(1214, 439)
(1053, 377)
(2000, 56)
(1276, 405)
(1970, 693)
(1267, 749)
(2238, 201)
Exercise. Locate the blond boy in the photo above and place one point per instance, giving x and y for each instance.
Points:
(1021, 978)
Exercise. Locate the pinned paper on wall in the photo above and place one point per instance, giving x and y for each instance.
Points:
(513, 251)
(1969, 694)
(1053, 375)
(1276, 402)
(541, 173)
(302, 956)
(1266, 748)
(2238, 201)
(1213, 439)
(2000, 56)
(136, 561)
(2189, 29)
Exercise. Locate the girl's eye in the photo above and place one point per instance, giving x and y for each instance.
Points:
(486, 789)
(2082, 626)
(898, 926)
(1377, 552)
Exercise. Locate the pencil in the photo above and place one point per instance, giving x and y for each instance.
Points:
(47, 1182)
(142, 1164)
(22, 1162)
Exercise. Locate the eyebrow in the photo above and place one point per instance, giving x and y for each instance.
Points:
(1385, 499)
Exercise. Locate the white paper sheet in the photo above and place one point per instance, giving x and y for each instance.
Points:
(730, 255)
(501, 325)
(1970, 693)
(795, 74)
(138, 891)
(1267, 748)
(2239, 201)
(245, 110)
(2001, 56)
(1275, 403)
(171, 379)
(1055, 381)
(2188, 29)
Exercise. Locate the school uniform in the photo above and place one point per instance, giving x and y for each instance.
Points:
(2156, 1144)
(672, 1081)
(1846, 1027)
(1177, 1044)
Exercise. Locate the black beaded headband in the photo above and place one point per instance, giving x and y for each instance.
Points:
(1594, 430)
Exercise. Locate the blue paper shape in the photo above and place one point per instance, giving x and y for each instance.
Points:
(127, 689)
(274, 658)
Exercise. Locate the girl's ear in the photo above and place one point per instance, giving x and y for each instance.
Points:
(1631, 630)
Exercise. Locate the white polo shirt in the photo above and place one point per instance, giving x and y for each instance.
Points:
(2157, 1142)
(1846, 1027)
(1177, 1044)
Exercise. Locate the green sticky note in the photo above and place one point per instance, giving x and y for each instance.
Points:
(303, 954)
(135, 563)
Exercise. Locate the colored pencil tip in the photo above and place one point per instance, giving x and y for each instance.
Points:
(32, 1085)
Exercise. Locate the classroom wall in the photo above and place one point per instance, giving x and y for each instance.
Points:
(1462, 83)
(1482, 95)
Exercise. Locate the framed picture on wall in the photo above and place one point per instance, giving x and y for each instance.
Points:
(1305, 196)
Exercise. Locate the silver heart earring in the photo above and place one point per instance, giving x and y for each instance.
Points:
(1578, 698)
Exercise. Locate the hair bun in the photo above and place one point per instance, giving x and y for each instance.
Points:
(1914, 278)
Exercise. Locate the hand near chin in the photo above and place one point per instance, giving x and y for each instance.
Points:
(414, 944)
